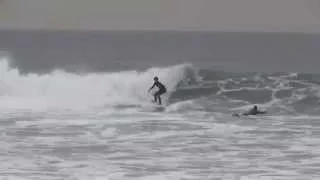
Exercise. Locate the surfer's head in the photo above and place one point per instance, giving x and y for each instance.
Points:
(255, 108)
(155, 78)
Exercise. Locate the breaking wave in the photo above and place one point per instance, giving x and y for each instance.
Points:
(189, 88)
(60, 89)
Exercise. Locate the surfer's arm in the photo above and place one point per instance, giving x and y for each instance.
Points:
(152, 86)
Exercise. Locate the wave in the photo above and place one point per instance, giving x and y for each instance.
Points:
(60, 89)
(278, 93)
(189, 88)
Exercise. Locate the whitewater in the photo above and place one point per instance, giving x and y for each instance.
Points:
(63, 125)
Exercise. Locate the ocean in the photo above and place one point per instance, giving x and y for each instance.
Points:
(75, 106)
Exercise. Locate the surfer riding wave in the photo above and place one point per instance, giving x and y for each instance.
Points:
(162, 90)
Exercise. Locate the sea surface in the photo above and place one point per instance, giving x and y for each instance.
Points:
(75, 106)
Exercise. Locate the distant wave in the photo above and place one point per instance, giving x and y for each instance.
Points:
(188, 89)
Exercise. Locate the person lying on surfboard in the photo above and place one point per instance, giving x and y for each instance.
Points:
(253, 111)
(162, 89)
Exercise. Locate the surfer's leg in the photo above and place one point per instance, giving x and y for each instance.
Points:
(159, 95)
(159, 100)
(156, 96)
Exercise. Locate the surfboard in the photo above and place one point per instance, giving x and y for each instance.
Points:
(153, 107)
(238, 115)
(158, 109)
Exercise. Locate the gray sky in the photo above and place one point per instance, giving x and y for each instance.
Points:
(217, 15)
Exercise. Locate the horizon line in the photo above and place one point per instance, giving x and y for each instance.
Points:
(153, 31)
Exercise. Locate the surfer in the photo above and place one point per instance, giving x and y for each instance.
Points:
(253, 111)
(162, 89)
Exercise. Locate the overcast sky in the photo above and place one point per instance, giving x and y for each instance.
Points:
(217, 15)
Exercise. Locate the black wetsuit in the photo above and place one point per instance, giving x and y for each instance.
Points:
(162, 90)
(254, 112)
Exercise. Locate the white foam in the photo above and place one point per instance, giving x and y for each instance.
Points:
(186, 105)
(62, 90)
(110, 132)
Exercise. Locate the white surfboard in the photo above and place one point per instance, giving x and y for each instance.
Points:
(153, 107)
